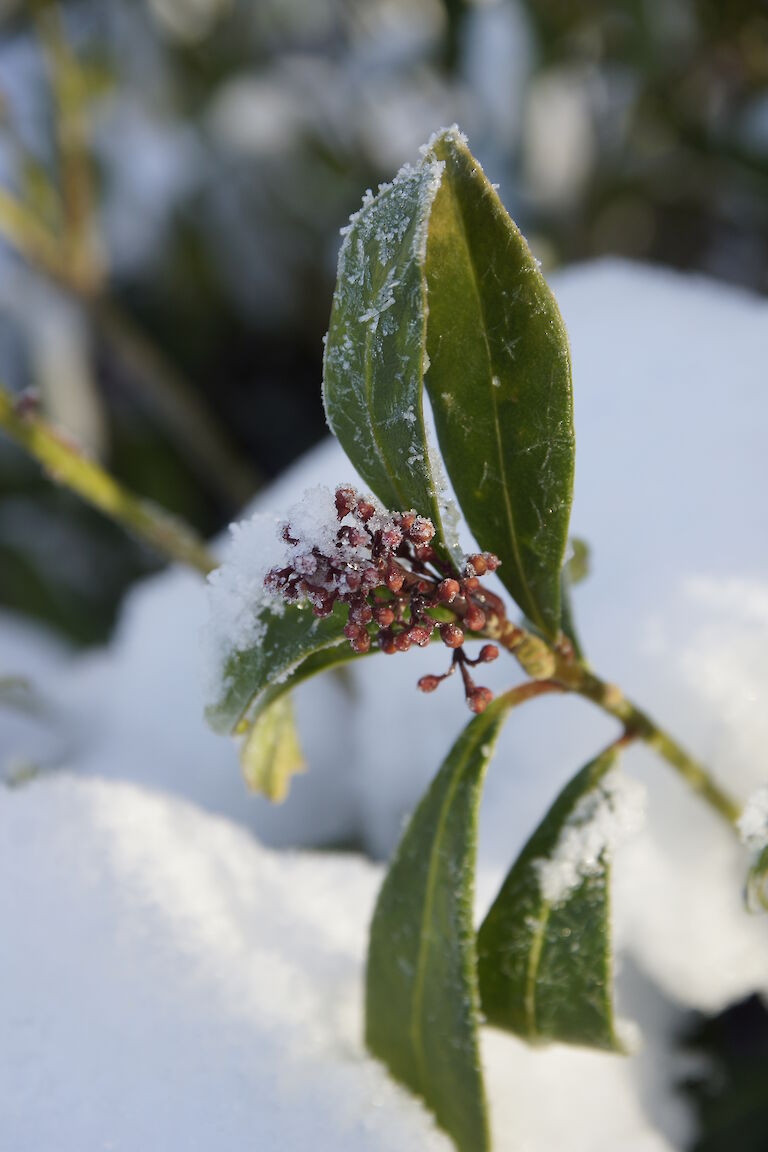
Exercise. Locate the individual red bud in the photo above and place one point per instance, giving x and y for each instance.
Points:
(476, 565)
(391, 538)
(479, 699)
(421, 530)
(402, 642)
(383, 615)
(474, 618)
(364, 511)
(428, 683)
(361, 644)
(419, 635)
(447, 590)
(360, 612)
(345, 498)
(488, 652)
(395, 578)
(451, 635)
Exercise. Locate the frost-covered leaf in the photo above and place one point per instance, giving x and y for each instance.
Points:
(271, 752)
(376, 346)
(499, 382)
(544, 949)
(421, 985)
(258, 674)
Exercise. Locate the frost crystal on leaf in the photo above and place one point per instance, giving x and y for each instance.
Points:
(609, 813)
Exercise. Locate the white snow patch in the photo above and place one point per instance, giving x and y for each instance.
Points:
(753, 822)
(613, 810)
(171, 983)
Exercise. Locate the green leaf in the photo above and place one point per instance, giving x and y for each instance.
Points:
(256, 676)
(376, 344)
(271, 753)
(254, 700)
(499, 382)
(545, 968)
(421, 984)
(577, 562)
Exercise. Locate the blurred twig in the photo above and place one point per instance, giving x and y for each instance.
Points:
(66, 465)
(73, 260)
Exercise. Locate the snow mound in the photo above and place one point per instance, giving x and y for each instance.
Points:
(169, 983)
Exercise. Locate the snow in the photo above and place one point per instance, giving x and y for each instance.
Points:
(236, 594)
(603, 817)
(753, 822)
(131, 973)
(205, 993)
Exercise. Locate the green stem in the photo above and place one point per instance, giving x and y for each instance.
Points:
(529, 690)
(612, 700)
(67, 466)
(550, 665)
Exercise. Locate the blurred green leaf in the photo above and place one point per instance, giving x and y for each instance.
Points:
(375, 350)
(544, 968)
(421, 984)
(577, 560)
(574, 570)
(271, 752)
(500, 383)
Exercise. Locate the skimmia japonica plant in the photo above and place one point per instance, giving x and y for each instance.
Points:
(438, 290)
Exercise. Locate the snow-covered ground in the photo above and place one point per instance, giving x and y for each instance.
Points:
(166, 980)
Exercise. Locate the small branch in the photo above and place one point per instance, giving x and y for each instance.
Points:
(539, 659)
(30, 239)
(75, 176)
(530, 690)
(639, 723)
(66, 465)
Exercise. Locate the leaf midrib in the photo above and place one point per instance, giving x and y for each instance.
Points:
(531, 610)
(429, 896)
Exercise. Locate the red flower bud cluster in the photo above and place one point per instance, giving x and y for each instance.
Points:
(383, 567)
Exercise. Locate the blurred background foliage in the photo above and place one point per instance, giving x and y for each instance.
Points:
(173, 175)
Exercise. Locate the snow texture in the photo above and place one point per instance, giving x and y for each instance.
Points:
(603, 817)
(753, 822)
(130, 996)
(205, 993)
